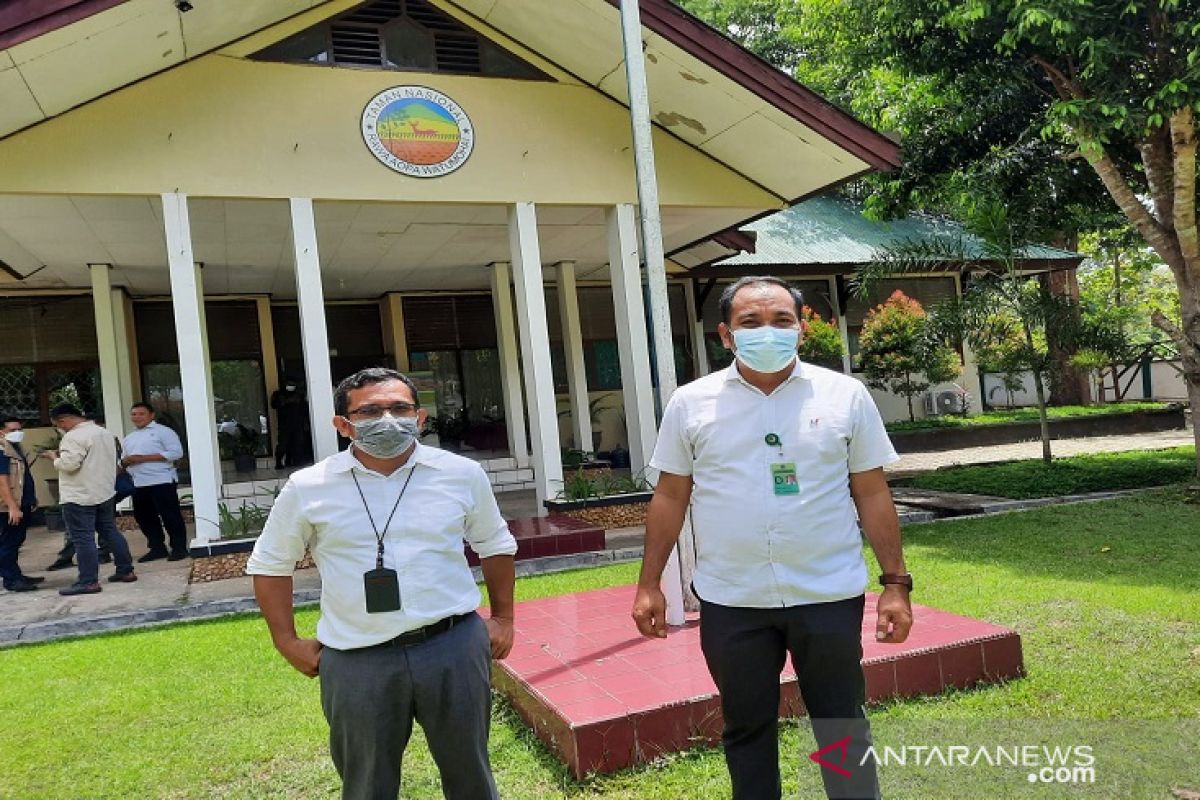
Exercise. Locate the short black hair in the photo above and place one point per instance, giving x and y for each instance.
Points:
(726, 301)
(366, 377)
(144, 405)
(65, 410)
(9, 419)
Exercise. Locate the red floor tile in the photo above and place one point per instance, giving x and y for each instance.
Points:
(603, 698)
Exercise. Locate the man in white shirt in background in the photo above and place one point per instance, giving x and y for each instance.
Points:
(398, 639)
(86, 461)
(774, 455)
(149, 456)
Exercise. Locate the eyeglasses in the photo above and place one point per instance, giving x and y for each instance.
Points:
(376, 412)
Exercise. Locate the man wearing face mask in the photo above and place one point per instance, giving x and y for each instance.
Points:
(17, 500)
(399, 639)
(774, 456)
(291, 412)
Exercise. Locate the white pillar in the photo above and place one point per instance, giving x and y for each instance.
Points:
(843, 326)
(313, 334)
(200, 423)
(535, 350)
(270, 367)
(695, 322)
(632, 345)
(510, 366)
(568, 312)
(970, 380)
(106, 346)
(121, 335)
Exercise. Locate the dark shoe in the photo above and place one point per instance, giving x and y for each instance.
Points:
(105, 558)
(178, 555)
(153, 555)
(38, 579)
(60, 564)
(22, 586)
(127, 577)
(80, 588)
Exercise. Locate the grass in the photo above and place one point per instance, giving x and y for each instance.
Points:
(1104, 596)
(1098, 472)
(1021, 415)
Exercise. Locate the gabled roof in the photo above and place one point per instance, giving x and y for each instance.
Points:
(831, 234)
(705, 89)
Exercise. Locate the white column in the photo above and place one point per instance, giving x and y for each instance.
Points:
(121, 336)
(270, 367)
(510, 367)
(106, 346)
(843, 326)
(187, 302)
(695, 323)
(313, 334)
(970, 380)
(632, 345)
(568, 313)
(535, 350)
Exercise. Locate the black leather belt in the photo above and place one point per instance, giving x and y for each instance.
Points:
(424, 634)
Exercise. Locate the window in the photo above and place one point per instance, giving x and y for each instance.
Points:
(29, 391)
(402, 35)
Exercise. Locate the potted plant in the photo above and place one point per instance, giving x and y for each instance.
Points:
(603, 497)
(449, 429)
(243, 446)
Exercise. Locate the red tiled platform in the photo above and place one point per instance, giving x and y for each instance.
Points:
(555, 535)
(602, 697)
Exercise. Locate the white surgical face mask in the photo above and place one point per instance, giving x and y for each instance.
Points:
(767, 349)
(14, 436)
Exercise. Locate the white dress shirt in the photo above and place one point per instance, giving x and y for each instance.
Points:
(448, 500)
(87, 465)
(755, 548)
(154, 439)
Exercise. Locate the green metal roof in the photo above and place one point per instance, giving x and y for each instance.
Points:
(833, 231)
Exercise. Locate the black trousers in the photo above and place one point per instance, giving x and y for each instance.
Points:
(155, 507)
(745, 650)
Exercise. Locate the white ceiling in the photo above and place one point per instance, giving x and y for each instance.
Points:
(366, 249)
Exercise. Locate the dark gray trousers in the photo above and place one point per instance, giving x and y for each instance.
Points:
(371, 697)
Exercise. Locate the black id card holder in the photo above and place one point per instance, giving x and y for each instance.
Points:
(382, 588)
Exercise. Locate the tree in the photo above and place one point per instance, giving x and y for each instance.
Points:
(822, 341)
(898, 355)
(1002, 309)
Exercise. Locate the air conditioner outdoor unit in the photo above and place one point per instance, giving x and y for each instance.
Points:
(949, 401)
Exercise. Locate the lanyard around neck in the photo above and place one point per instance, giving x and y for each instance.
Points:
(379, 536)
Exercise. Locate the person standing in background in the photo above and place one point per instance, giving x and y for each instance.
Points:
(150, 453)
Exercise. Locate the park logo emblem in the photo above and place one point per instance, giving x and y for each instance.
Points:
(417, 131)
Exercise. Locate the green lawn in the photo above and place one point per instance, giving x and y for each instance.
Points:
(1098, 472)
(1104, 595)
(1020, 415)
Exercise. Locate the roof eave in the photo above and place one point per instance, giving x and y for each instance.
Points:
(765, 81)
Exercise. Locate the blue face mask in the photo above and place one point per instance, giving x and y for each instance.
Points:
(766, 349)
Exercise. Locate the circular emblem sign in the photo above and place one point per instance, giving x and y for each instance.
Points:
(417, 131)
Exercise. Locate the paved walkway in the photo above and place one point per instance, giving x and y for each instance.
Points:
(163, 585)
(924, 462)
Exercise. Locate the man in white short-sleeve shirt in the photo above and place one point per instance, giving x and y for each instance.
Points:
(398, 639)
(775, 455)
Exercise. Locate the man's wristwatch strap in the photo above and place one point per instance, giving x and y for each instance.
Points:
(904, 579)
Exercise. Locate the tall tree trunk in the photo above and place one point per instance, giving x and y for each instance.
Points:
(1194, 399)
(1040, 389)
(1069, 384)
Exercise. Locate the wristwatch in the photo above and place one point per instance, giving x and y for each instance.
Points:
(898, 578)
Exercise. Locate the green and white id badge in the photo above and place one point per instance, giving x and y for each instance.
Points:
(783, 477)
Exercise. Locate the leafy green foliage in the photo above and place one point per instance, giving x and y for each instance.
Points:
(822, 341)
(1074, 475)
(592, 483)
(897, 353)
